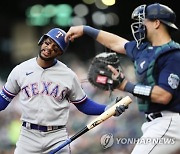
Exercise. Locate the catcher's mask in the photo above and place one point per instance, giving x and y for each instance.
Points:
(154, 11)
(58, 36)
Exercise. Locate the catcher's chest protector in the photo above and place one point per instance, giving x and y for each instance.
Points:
(145, 67)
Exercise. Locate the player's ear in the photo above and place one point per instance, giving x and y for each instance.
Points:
(60, 53)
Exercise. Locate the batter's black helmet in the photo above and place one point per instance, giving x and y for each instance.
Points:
(58, 36)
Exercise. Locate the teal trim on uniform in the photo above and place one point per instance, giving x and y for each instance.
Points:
(143, 106)
(150, 77)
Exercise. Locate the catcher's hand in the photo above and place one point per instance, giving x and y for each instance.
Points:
(74, 32)
(101, 76)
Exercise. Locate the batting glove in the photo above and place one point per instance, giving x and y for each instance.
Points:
(119, 109)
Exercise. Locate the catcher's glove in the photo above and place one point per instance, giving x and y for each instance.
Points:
(101, 76)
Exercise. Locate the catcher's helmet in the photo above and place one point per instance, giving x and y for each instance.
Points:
(163, 13)
(153, 11)
(58, 36)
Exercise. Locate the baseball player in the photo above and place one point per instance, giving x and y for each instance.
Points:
(46, 87)
(156, 59)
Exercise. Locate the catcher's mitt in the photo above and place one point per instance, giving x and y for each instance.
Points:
(100, 75)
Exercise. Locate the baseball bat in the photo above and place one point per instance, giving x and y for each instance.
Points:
(104, 116)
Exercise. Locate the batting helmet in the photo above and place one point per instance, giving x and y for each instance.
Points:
(58, 36)
(153, 11)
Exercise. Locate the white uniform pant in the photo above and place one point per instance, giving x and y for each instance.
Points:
(38, 142)
(166, 129)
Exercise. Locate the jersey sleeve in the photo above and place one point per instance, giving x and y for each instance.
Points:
(169, 76)
(11, 86)
(77, 94)
(130, 49)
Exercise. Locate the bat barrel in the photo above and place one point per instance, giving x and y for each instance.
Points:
(110, 112)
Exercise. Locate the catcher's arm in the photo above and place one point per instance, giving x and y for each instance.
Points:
(155, 93)
(141, 91)
(109, 40)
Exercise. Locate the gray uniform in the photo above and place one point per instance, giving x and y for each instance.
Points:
(45, 96)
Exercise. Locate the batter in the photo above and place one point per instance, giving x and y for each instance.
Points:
(45, 88)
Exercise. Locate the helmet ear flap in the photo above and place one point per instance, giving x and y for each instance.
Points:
(41, 40)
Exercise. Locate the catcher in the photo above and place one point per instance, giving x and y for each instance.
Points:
(156, 59)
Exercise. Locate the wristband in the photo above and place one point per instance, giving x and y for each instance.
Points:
(92, 32)
(141, 91)
(129, 87)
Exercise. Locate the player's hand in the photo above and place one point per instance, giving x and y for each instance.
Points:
(115, 72)
(117, 76)
(119, 109)
(74, 32)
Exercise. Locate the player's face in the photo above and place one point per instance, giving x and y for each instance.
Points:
(49, 50)
(151, 27)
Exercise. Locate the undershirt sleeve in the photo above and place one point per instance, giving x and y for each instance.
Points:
(90, 107)
(5, 99)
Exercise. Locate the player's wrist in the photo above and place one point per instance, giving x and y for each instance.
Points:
(92, 32)
(141, 91)
(123, 84)
(129, 87)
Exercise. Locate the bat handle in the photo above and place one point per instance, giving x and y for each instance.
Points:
(68, 141)
(81, 132)
(60, 147)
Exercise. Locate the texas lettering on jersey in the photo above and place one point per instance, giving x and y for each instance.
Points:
(45, 88)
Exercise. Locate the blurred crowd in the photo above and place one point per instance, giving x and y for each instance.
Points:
(128, 125)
